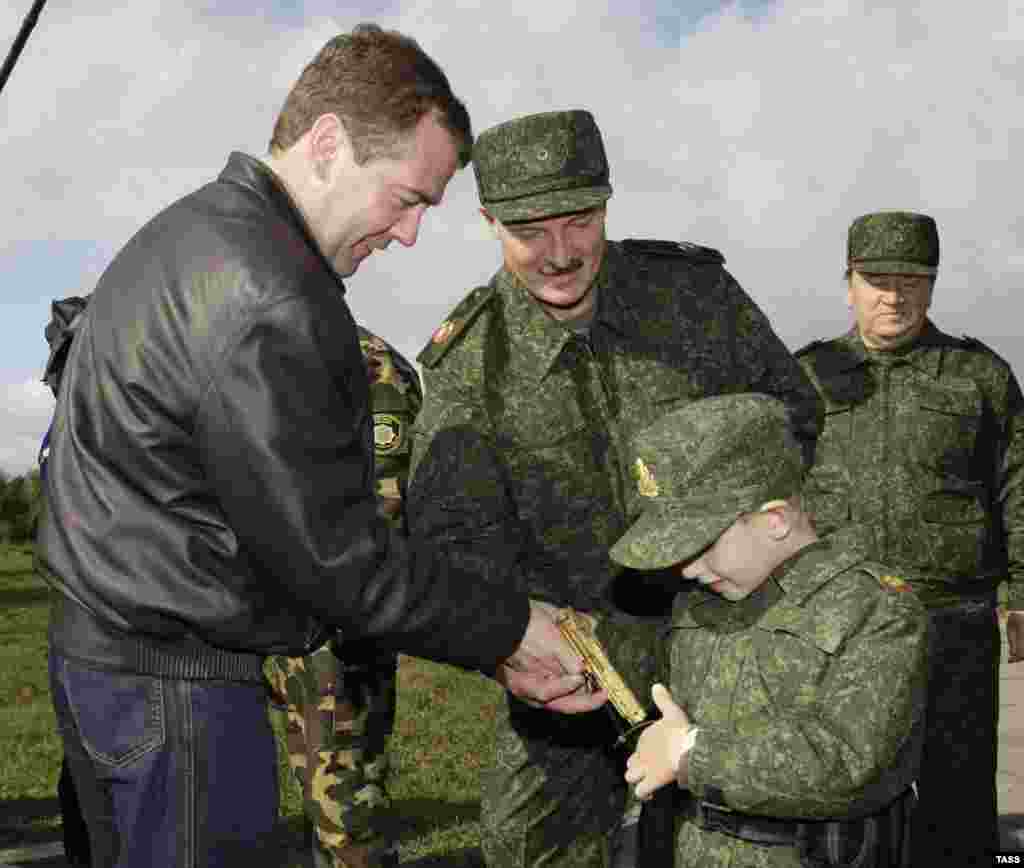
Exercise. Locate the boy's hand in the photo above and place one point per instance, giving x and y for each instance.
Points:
(655, 762)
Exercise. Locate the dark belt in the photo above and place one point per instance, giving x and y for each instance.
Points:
(714, 817)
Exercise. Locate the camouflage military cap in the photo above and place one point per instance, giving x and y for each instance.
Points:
(541, 166)
(893, 242)
(700, 468)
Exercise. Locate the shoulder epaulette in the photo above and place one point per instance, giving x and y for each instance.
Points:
(682, 249)
(806, 348)
(974, 344)
(446, 334)
(969, 343)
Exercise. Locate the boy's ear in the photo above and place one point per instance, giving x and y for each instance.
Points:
(779, 521)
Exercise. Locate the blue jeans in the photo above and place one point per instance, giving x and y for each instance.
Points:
(169, 772)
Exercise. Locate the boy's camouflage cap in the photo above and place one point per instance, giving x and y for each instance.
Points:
(700, 468)
(541, 166)
(893, 242)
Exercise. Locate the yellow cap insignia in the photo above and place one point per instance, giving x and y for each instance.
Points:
(647, 485)
(443, 332)
(894, 583)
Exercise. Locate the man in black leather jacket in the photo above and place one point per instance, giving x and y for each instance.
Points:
(210, 490)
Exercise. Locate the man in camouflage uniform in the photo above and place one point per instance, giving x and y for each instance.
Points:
(534, 384)
(800, 664)
(924, 440)
(341, 698)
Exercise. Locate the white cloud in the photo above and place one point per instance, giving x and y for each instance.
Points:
(25, 410)
(761, 135)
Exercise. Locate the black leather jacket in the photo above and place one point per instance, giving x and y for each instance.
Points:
(209, 489)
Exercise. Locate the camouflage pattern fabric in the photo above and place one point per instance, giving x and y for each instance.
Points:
(541, 165)
(893, 242)
(926, 444)
(809, 695)
(340, 700)
(702, 466)
(520, 469)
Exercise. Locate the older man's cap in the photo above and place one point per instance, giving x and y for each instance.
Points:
(541, 166)
(701, 467)
(893, 242)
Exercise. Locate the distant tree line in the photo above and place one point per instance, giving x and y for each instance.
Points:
(20, 502)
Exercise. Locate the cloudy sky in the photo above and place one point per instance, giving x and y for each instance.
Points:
(758, 128)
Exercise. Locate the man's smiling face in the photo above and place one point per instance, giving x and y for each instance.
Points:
(557, 258)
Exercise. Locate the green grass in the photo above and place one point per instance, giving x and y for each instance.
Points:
(442, 734)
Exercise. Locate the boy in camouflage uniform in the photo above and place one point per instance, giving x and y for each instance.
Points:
(340, 699)
(797, 667)
(924, 441)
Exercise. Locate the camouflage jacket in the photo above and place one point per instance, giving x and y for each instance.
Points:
(809, 694)
(395, 398)
(521, 450)
(926, 445)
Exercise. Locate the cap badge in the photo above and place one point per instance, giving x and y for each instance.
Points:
(647, 485)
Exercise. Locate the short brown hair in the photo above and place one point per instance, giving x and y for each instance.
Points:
(379, 83)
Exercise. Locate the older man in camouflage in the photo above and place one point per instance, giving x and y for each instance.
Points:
(924, 440)
(534, 385)
(341, 699)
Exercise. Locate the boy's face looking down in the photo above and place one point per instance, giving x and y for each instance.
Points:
(746, 553)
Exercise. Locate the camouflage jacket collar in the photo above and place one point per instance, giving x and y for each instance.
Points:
(613, 308)
(536, 340)
(925, 353)
(778, 603)
(813, 566)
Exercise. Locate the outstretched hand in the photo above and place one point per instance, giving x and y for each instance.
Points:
(545, 671)
(661, 746)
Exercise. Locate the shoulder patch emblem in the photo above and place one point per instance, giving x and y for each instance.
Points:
(387, 432)
(443, 332)
(454, 325)
(647, 485)
(893, 583)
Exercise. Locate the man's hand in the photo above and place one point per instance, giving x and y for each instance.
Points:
(1015, 634)
(545, 671)
(661, 746)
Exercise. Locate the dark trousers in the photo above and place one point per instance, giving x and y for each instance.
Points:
(169, 773)
(955, 821)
